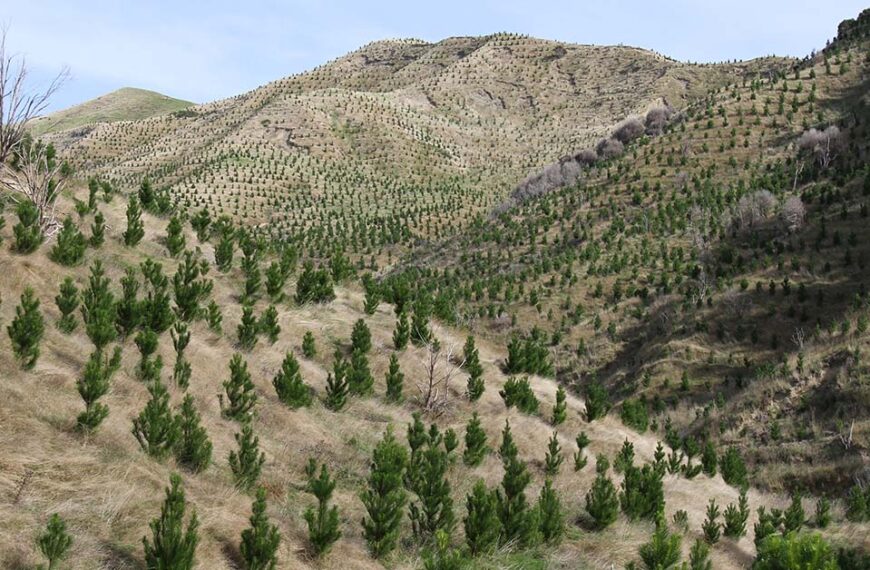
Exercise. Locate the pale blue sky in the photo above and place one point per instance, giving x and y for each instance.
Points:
(206, 50)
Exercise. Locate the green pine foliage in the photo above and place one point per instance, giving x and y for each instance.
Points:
(239, 389)
(373, 294)
(98, 231)
(135, 227)
(663, 549)
(699, 556)
(795, 551)
(259, 546)
(192, 448)
(214, 318)
(359, 377)
(98, 308)
(624, 459)
(395, 380)
(733, 468)
(155, 428)
(519, 522)
(712, 527)
(552, 516)
(529, 355)
(69, 249)
(634, 415)
(475, 442)
(247, 462)
(736, 517)
(190, 287)
(471, 357)
(420, 333)
(27, 232)
(175, 241)
(434, 509)
(384, 497)
(268, 324)
(597, 401)
(248, 328)
(553, 459)
(93, 384)
(128, 311)
(518, 392)
(580, 458)
(323, 527)
(54, 542)
(275, 281)
(67, 302)
(289, 386)
(642, 495)
(156, 307)
(560, 410)
(148, 368)
(314, 285)
(309, 347)
(336, 385)
(442, 556)
(171, 545)
(201, 225)
(361, 337)
(26, 330)
(602, 503)
(402, 333)
(481, 523)
(224, 251)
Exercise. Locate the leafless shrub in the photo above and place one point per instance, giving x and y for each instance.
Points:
(793, 213)
(822, 145)
(18, 103)
(38, 180)
(799, 337)
(609, 148)
(586, 157)
(557, 175)
(656, 120)
(754, 208)
(737, 303)
(439, 370)
(628, 130)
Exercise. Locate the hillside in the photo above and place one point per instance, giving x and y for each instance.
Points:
(666, 260)
(125, 104)
(398, 141)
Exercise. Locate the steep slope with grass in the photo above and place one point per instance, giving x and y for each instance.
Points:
(125, 104)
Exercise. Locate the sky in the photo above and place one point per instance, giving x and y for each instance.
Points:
(206, 50)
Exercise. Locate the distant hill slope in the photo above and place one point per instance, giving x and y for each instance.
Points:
(125, 104)
(429, 133)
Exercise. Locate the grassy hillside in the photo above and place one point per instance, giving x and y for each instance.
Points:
(125, 104)
(694, 297)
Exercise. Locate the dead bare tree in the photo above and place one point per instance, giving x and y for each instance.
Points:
(39, 179)
(439, 370)
(19, 102)
(799, 337)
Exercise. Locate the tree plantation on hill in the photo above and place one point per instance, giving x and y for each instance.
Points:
(487, 303)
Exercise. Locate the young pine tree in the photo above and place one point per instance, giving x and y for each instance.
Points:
(553, 459)
(248, 328)
(135, 228)
(359, 378)
(475, 442)
(699, 556)
(190, 287)
(247, 463)
(98, 308)
(434, 510)
(155, 428)
(240, 394)
(93, 385)
(175, 241)
(214, 318)
(67, 302)
(361, 337)
(552, 523)
(395, 380)
(289, 386)
(401, 335)
(260, 542)
(128, 312)
(268, 324)
(481, 523)
(663, 549)
(201, 225)
(602, 502)
(309, 347)
(560, 413)
(180, 334)
(54, 542)
(98, 231)
(580, 459)
(148, 368)
(171, 545)
(224, 251)
(736, 517)
(519, 522)
(711, 526)
(193, 447)
(26, 330)
(323, 528)
(28, 233)
(69, 249)
(384, 496)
